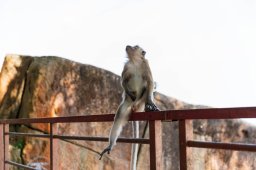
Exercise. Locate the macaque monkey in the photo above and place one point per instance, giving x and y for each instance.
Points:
(138, 85)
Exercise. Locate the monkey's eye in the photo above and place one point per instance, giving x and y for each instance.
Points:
(143, 53)
(136, 46)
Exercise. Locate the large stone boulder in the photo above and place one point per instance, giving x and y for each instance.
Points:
(33, 87)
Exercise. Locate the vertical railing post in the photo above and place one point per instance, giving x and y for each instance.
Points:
(155, 135)
(53, 147)
(185, 134)
(4, 145)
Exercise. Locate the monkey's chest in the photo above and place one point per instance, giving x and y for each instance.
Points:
(136, 84)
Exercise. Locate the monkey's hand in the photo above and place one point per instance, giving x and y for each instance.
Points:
(107, 149)
(150, 106)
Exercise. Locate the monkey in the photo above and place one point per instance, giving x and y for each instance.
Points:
(138, 85)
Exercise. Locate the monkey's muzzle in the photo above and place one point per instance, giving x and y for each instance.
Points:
(128, 48)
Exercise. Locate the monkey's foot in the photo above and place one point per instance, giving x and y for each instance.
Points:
(107, 149)
(151, 107)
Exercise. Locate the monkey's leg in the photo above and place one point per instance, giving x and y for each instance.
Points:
(114, 133)
(121, 119)
(135, 147)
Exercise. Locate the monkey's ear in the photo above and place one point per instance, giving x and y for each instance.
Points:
(143, 53)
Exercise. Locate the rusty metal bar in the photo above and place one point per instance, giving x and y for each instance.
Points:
(213, 113)
(209, 113)
(54, 158)
(6, 145)
(2, 159)
(182, 145)
(220, 145)
(51, 146)
(155, 147)
(67, 119)
(28, 134)
(185, 133)
(20, 165)
(102, 139)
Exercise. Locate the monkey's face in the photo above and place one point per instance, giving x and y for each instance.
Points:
(135, 52)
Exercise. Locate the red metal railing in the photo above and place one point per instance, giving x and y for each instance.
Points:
(184, 117)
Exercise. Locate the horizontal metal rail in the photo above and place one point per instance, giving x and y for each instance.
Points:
(104, 139)
(209, 113)
(28, 134)
(20, 165)
(67, 137)
(220, 145)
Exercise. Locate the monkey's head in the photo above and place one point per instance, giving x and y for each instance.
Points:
(135, 52)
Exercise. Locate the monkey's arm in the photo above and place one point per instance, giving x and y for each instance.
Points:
(150, 105)
(150, 83)
(125, 79)
(121, 119)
